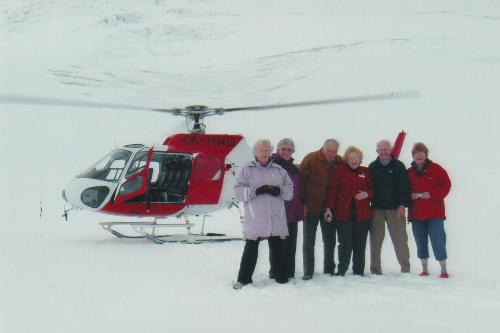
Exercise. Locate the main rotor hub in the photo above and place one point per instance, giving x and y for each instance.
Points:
(196, 113)
(196, 108)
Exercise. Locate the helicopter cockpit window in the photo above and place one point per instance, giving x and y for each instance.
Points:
(168, 181)
(138, 163)
(108, 168)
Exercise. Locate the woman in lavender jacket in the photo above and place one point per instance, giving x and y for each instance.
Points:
(294, 208)
(263, 186)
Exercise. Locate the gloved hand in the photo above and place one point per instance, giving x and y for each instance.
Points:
(264, 189)
(274, 191)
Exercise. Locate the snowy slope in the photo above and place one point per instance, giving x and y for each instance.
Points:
(58, 276)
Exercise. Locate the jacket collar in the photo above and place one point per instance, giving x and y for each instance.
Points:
(391, 161)
(256, 164)
(280, 160)
(420, 172)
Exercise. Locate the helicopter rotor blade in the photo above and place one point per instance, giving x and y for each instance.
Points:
(40, 101)
(353, 99)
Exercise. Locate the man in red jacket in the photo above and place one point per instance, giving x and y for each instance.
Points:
(429, 185)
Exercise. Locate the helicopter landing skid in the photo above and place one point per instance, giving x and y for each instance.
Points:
(148, 230)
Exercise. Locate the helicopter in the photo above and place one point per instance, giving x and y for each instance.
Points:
(186, 174)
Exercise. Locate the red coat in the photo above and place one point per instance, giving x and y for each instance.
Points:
(345, 183)
(432, 179)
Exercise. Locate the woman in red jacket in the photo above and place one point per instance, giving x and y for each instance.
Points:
(348, 201)
(429, 184)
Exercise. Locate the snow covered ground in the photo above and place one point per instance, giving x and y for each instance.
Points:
(58, 276)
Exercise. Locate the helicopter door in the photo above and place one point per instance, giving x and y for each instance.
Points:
(134, 186)
(208, 178)
(170, 177)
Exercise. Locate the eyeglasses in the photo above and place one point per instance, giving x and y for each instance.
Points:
(286, 149)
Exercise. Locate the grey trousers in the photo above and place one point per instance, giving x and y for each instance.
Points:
(399, 237)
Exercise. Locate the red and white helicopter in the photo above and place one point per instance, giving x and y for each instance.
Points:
(188, 174)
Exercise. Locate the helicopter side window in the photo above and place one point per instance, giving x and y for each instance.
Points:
(108, 168)
(207, 169)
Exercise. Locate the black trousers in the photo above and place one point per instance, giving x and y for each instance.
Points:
(352, 236)
(328, 232)
(249, 259)
(289, 252)
(291, 249)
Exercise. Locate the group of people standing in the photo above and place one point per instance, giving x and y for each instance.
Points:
(348, 201)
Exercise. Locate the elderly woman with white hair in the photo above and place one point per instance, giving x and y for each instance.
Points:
(263, 186)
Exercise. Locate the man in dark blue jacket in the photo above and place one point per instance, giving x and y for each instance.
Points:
(391, 197)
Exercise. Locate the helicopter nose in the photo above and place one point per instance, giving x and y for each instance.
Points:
(86, 193)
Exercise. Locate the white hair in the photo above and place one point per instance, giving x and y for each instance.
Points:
(262, 142)
(384, 142)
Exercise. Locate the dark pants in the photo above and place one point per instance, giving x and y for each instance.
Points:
(310, 226)
(352, 239)
(290, 250)
(249, 259)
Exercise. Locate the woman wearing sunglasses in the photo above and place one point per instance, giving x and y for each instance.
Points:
(293, 209)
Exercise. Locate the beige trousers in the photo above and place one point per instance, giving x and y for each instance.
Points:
(399, 237)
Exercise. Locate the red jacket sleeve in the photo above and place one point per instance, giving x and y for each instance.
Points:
(443, 184)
